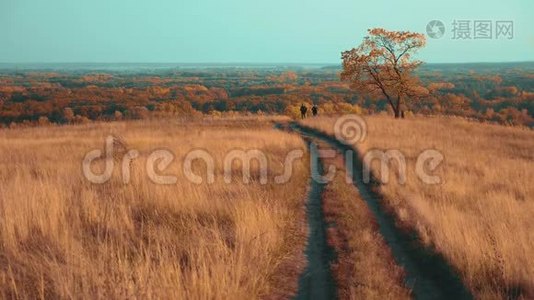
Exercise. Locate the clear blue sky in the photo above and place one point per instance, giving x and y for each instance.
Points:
(245, 31)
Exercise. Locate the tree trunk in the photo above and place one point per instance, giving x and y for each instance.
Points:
(397, 108)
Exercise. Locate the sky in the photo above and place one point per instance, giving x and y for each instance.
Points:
(248, 31)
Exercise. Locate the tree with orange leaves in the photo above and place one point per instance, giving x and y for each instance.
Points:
(383, 65)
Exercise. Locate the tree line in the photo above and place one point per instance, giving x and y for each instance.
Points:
(499, 93)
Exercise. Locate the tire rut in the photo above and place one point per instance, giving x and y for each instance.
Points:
(316, 282)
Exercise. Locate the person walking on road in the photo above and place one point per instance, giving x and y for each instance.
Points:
(303, 110)
(315, 110)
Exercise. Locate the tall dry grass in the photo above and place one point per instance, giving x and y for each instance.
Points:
(481, 217)
(64, 237)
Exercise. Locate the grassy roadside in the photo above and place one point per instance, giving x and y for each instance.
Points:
(64, 237)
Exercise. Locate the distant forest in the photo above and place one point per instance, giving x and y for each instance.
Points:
(35, 95)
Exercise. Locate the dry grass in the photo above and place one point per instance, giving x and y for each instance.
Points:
(481, 217)
(63, 237)
(364, 268)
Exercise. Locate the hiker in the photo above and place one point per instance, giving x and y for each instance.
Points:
(303, 110)
(314, 110)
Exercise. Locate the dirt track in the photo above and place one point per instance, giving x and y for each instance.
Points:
(427, 274)
(316, 282)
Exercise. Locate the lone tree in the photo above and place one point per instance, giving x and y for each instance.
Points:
(383, 65)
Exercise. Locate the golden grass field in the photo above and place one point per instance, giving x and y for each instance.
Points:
(481, 217)
(64, 237)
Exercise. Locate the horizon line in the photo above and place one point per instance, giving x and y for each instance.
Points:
(243, 63)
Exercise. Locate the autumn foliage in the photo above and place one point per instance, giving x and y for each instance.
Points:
(502, 93)
(383, 65)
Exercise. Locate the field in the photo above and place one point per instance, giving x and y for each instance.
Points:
(166, 229)
(480, 215)
(65, 237)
